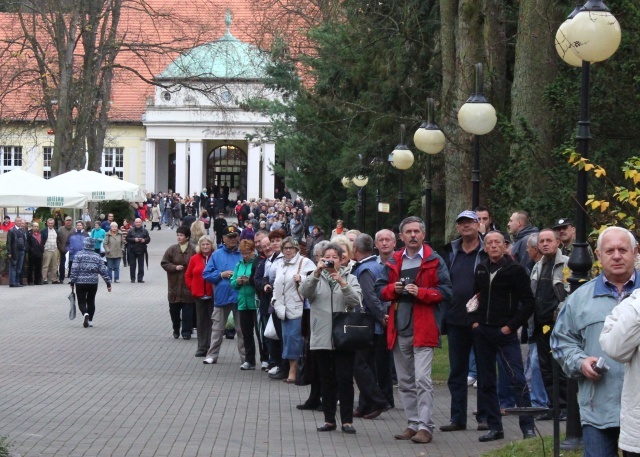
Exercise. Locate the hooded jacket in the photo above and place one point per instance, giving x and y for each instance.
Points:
(519, 248)
(221, 260)
(435, 287)
(546, 313)
(87, 266)
(75, 243)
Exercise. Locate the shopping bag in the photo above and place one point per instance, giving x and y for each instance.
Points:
(270, 330)
(72, 304)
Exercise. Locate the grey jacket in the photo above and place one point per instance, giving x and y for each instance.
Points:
(576, 336)
(560, 286)
(323, 299)
(113, 245)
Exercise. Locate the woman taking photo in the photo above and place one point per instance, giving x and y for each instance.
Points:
(246, 301)
(332, 288)
(288, 303)
(202, 292)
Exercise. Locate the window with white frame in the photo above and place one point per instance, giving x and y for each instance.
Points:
(113, 162)
(47, 152)
(10, 158)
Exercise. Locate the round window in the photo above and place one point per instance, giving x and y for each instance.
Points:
(166, 96)
(225, 96)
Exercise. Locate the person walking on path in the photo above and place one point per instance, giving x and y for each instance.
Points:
(84, 275)
(137, 240)
(175, 262)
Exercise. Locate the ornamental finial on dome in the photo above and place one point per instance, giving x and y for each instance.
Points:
(228, 19)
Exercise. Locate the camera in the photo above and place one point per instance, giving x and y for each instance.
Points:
(329, 264)
(600, 366)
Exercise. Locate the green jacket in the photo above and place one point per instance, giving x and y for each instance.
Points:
(246, 293)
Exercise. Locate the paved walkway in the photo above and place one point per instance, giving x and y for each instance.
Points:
(127, 388)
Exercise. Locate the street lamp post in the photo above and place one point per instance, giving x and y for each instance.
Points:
(430, 139)
(360, 182)
(592, 34)
(477, 116)
(402, 159)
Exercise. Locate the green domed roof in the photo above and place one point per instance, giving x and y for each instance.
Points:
(225, 58)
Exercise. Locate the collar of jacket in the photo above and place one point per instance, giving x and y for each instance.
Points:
(600, 289)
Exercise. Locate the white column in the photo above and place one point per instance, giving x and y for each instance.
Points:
(181, 167)
(150, 166)
(196, 167)
(253, 171)
(268, 177)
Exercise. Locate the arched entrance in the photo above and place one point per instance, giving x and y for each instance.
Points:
(227, 166)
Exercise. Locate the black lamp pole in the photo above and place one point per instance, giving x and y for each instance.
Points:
(477, 97)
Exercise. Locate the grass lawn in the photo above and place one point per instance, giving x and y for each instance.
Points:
(533, 447)
(4, 446)
(440, 367)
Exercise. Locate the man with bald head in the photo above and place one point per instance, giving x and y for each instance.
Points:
(137, 240)
(575, 341)
(505, 303)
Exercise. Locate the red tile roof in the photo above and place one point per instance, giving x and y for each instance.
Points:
(156, 35)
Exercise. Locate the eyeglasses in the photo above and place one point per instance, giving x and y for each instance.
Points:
(288, 247)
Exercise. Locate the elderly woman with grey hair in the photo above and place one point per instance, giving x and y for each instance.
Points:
(288, 303)
(113, 246)
(331, 287)
(202, 292)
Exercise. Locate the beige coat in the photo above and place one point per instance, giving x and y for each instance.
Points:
(113, 245)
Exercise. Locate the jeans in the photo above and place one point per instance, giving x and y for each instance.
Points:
(113, 265)
(473, 369)
(15, 268)
(539, 396)
(489, 342)
(600, 442)
(505, 396)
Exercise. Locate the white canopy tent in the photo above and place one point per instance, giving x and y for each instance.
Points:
(98, 187)
(21, 188)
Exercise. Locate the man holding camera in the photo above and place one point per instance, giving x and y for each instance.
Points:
(415, 280)
(575, 341)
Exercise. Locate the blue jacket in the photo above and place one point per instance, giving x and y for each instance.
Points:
(75, 243)
(222, 260)
(575, 336)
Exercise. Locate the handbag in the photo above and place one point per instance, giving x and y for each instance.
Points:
(270, 330)
(352, 331)
(72, 304)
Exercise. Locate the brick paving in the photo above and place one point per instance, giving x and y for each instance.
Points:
(127, 388)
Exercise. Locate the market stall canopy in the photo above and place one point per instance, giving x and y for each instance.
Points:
(98, 187)
(21, 188)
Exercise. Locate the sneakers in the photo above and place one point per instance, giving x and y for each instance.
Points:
(90, 323)
(471, 381)
(247, 366)
(273, 371)
(85, 322)
(209, 361)
(264, 366)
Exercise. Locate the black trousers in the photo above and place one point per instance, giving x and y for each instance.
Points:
(336, 383)
(136, 260)
(186, 310)
(34, 270)
(204, 310)
(86, 296)
(366, 375)
(249, 324)
(546, 365)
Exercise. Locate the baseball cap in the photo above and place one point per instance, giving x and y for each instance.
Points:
(467, 214)
(563, 221)
(230, 231)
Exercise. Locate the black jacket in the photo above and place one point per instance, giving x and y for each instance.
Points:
(132, 234)
(16, 241)
(505, 300)
(35, 249)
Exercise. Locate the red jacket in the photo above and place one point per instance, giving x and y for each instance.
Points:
(194, 280)
(434, 287)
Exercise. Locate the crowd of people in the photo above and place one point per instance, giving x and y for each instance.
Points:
(488, 290)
